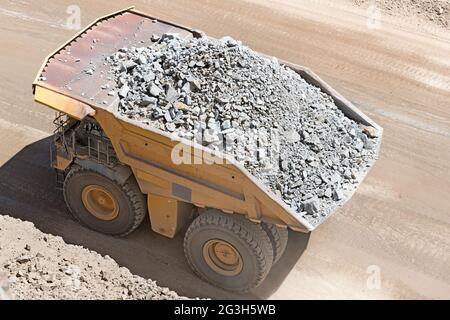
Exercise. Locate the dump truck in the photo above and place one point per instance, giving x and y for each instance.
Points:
(115, 171)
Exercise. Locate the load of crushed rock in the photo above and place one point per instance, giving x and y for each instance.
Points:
(225, 96)
(35, 265)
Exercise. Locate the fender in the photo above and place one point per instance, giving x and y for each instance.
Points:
(119, 173)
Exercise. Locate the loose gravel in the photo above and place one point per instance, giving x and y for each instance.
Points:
(35, 265)
(436, 12)
(225, 96)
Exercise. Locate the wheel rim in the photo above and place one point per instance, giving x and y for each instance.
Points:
(222, 257)
(100, 202)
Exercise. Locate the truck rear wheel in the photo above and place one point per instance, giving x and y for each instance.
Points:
(103, 204)
(278, 237)
(228, 251)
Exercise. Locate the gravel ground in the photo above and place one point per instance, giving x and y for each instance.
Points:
(35, 265)
(227, 97)
(435, 11)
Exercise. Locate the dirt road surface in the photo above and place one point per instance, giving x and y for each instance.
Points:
(391, 240)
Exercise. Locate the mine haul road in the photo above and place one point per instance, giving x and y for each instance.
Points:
(395, 229)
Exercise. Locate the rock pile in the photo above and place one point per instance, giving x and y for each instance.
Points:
(227, 97)
(42, 266)
(435, 11)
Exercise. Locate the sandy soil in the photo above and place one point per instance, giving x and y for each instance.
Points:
(391, 240)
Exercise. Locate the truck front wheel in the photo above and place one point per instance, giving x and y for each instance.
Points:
(228, 251)
(103, 204)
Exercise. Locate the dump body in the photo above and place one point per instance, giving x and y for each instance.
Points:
(65, 84)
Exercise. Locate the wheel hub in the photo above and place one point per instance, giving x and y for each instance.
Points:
(100, 202)
(222, 257)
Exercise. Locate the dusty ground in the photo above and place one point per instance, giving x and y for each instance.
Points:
(42, 266)
(418, 12)
(397, 225)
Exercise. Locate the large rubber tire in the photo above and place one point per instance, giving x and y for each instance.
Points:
(132, 205)
(278, 238)
(247, 238)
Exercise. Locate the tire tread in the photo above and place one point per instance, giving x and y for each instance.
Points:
(131, 190)
(252, 234)
(278, 237)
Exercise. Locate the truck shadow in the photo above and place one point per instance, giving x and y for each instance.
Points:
(27, 192)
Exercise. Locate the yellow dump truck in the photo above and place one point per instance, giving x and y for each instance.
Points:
(114, 171)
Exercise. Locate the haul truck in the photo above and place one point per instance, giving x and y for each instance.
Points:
(115, 171)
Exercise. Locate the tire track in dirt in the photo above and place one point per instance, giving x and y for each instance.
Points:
(384, 71)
